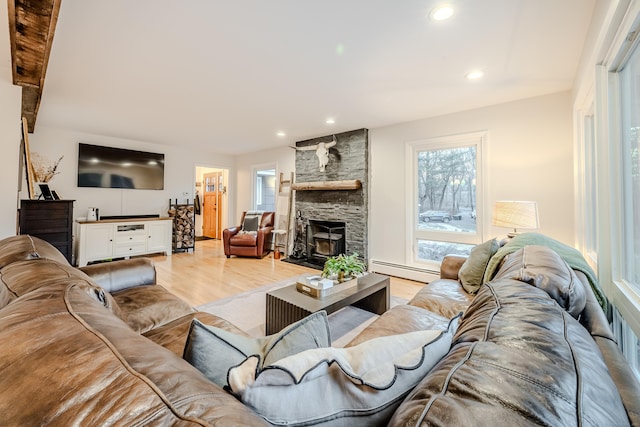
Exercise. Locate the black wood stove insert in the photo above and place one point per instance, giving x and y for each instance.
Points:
(324, 239)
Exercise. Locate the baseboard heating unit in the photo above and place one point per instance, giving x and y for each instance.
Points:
(405, 271)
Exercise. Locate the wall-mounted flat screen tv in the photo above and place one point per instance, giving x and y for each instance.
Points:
(108, 167)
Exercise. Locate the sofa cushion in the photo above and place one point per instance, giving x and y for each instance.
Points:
(518, 358)
(25, 247)
(244, 239)
(22, 277)
(401, 319)
(472, 271)
(173, 335)
(543, 268)
(147, 307)
(444, 297)
(571, 255)
(358, 386)
(214, 351)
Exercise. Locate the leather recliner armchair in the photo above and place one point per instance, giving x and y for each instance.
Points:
(250, 244)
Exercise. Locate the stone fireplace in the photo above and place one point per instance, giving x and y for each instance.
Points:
(344, 212)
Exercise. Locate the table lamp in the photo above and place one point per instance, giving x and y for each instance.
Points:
(515, 214)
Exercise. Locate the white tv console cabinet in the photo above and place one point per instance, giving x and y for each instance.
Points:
(118, 238)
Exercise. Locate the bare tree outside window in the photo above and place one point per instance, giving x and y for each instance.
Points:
(447, 189)
(447, 196)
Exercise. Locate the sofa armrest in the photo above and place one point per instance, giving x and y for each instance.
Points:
(450, 266)
(227, 234)
(118, 275)
(232, 231)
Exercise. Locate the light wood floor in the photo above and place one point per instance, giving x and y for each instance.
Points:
(206, 274)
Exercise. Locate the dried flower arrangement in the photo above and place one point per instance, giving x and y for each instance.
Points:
(43, 168)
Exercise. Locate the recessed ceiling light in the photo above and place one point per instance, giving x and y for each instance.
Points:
(330, 121)
(281, 133)
(441, 13)
(474, 75)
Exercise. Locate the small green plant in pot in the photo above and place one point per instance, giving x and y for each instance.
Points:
(343, 267)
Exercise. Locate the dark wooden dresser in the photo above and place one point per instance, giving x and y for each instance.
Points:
(50, 220)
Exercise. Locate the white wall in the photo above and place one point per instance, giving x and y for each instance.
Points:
(528, 157)
(179, 173)
(283, 157)
(10, 136)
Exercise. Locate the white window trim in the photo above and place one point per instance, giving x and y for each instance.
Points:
(627, 341)
(627, 301)
(611, 50)
(259, 183)
(585, 162)
(411, 219)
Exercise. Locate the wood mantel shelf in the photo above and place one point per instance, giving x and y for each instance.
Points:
(353, 184)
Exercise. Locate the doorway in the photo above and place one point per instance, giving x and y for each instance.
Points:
(211, 190)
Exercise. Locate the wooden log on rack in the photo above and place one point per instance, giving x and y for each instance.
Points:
(183, 226)
(352, 184)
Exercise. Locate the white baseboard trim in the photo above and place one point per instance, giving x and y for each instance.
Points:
(404, 271)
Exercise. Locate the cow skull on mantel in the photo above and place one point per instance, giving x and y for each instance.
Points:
(322, 151)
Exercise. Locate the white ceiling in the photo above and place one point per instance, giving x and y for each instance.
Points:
(228, 75)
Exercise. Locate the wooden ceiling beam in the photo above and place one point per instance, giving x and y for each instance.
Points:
(32, 25)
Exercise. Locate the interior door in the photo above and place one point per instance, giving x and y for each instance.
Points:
(212, 205)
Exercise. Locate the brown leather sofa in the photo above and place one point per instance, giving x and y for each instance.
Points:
(102, 345)
(249, 244)
(517, 358)
(103, 352)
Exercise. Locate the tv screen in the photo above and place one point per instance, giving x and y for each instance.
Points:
(109, 167)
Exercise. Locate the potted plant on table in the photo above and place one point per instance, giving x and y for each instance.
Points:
(343, 267)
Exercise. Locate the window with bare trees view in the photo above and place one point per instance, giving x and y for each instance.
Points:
(446, 196)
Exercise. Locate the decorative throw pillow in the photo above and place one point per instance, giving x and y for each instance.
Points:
(250, 223)
(472, 271)
(356, 386)
(213, 351)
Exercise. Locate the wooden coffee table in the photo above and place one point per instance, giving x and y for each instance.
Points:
(286, 305)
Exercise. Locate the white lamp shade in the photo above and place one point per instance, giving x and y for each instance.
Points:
(516, 214)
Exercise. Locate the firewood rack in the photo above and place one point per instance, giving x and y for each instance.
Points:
(184, 227)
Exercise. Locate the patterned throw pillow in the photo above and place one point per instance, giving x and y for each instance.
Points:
(355, 386)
